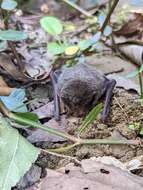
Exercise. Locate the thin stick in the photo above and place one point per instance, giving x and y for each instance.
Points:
(141, 84)
(62, 156)
(109, 15)
(86, 13)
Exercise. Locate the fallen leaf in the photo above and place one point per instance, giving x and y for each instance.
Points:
(135, 163)
(43, 136)
(133, 52)
(15, 101)
(8, 66)
(45, 111)
(38, 63)
(91, 174)
(30, 178)
(132, 28)
(17, 155)
(125, 83)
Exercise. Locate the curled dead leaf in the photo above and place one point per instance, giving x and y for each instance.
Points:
(9, 68)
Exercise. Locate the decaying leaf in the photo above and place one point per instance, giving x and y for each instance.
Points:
(17, 155)
(38, 63)
(133, 52)
(8, 66)
(30, 178)
(132, 28)
(15, 101)
(43, 136)
(125, 83)
(45, 111)
(92, 174)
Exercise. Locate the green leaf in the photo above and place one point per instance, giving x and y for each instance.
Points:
(16, 156)
(52, 25)
(56, 48)
(90, 118)
(3, 45)
(136, 127)
(28, 115)
(8, 5)
(96, 38)
(13, 35)
(84, 44)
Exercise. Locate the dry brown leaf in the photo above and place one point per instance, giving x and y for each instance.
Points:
(45, 111)
(8, 66)
(5, 91)
(133, 27)
(135, 163)
(125, 83)
(38, 62)
(2, 82)
(43, 136)
(92, 175)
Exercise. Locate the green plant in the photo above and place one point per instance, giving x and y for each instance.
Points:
(90, 118)
(54, 27)
(136, 126)
(7, 7)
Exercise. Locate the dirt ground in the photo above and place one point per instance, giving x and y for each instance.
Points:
(125, 109)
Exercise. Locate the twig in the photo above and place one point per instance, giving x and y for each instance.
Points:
(84, 12)
(141, 84)
(63, 149)
(62, 156)
(109, 15)
(115, 71)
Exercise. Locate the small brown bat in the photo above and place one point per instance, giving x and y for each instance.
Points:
(80, 87)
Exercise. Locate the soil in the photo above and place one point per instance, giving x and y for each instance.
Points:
(125, 109)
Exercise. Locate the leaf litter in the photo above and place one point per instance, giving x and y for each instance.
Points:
(125, 110)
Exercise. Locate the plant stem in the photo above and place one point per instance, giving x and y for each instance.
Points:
(141, 84)
(86, 13)
(109, 15)
(40, 126)
(77, 141)
(108, 141)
